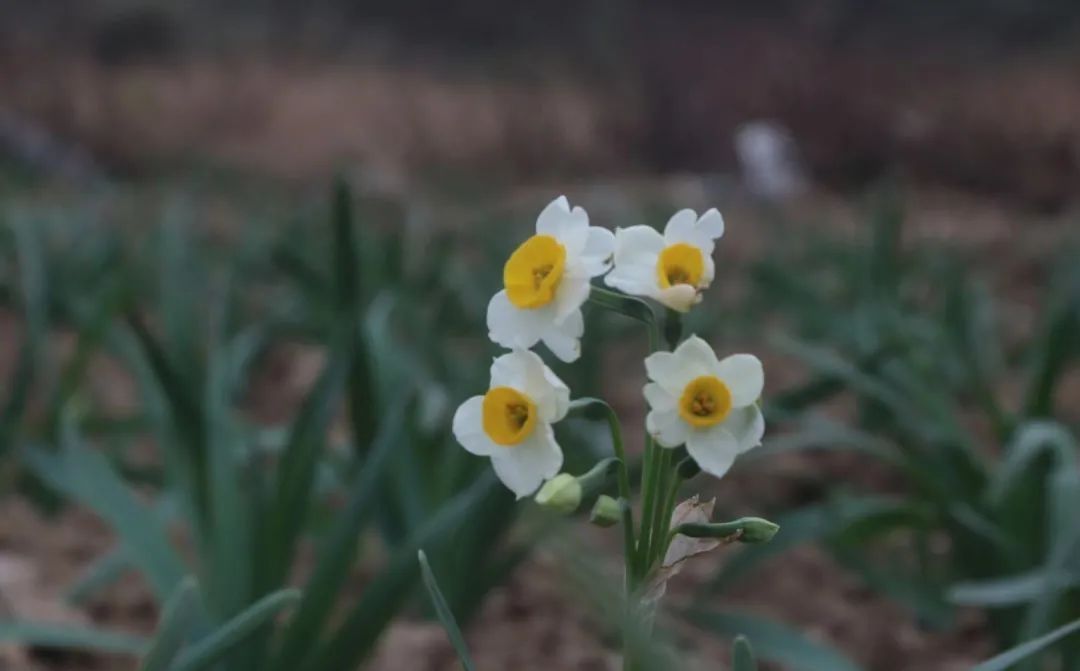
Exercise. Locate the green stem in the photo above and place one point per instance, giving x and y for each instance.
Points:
(649, 476)
(623, 478)
(669, 507)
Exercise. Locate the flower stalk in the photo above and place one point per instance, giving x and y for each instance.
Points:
(703, 411)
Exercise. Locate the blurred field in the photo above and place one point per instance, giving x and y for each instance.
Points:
(179, 281)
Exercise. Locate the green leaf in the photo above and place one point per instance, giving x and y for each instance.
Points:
(346, 259)
(338, 548)
(356, 637)
(775, 642)
(442, 611)
(105, 570)
(209, 650)
(742, 655)
(1021, 652)
(227, 538)
(1012, 590)
(87, 476)
(34, 288)
(297, 469)
(178, 615)
(39, 634)
(1031, 440)
(1057, 343)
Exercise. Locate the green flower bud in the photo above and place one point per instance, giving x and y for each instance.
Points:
(562, 494)
(758, 530)
(744, 530)
(606, 511)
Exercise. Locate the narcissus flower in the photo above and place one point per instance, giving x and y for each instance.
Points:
(706, 404)
(673, 268)
(511, 423)
(546, 281)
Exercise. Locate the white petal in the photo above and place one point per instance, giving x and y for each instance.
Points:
(561, 394)
(525, 466)
(683, 227)
(711, 223)
(572, 293)
(511, 326)
(511, 369)
(469, 428)
(669, 371)
(564, 340)
(744, 377)
(550, 220)
(667, 428)
(698, 355)
(713, 449)
(747, 425)
(710, 273)
(638, 245)
(680, 227)
(680, 297)
(599, 248)
(633, 278)
(659, 399)
(568, 226)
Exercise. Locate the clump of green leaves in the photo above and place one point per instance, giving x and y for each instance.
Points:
(991, 484)
(235, 502)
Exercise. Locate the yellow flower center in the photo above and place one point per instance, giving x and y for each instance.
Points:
(705, 401)
(508, 416)
(680, 264)
(533, 272)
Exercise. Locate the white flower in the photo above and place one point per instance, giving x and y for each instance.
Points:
(707, 404)
(673, 268)
(511, 423)
(546, 282)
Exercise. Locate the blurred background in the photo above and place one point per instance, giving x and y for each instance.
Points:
(269, 229)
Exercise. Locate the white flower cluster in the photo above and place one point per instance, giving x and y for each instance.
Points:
(707, 404)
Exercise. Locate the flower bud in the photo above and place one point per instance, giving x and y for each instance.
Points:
(744, 530)
(605, 512)
(758, 530)
(562, 494)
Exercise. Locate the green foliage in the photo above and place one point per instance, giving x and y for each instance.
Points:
(742, 655)
(443, 612)
(193, 324)
(914, 338)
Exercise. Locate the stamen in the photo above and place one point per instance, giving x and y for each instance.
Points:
(703, 405)
(518, 414)
(678, 275)
(540, 274)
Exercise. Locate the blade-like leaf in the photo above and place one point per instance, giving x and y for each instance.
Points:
(33, 281)
(442, 611)
(209, 650)
(338, 549)
(1009, 658)
(45, 635)
(297, 469)
(87, 476)
(105, 570)
(742, 655)
(356, 637)
(1010, 591)
(774, 641)
(177, 617)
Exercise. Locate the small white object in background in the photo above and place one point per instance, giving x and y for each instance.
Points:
(769, 160)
